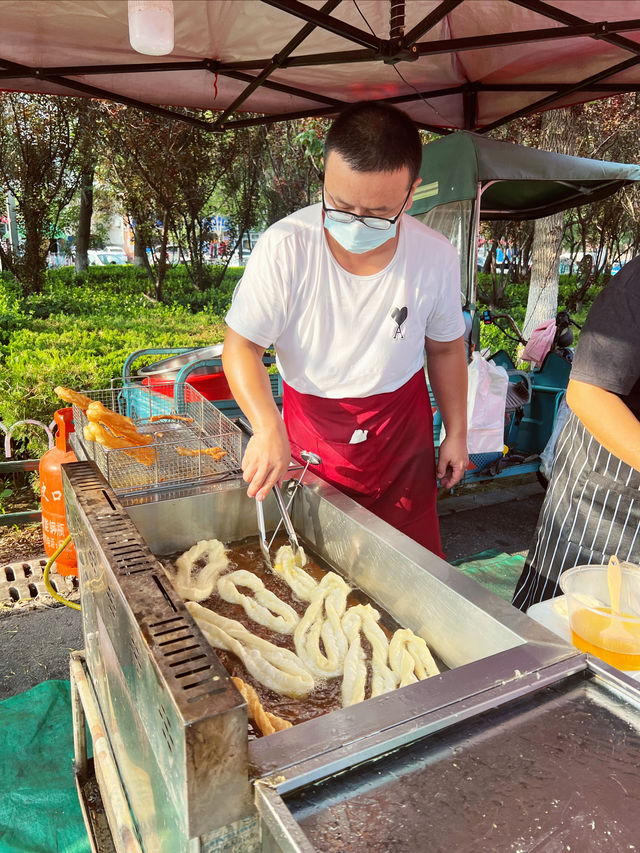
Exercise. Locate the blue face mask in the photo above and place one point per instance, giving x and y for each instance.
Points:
(356, 237)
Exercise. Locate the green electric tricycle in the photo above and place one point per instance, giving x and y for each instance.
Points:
(468, 178)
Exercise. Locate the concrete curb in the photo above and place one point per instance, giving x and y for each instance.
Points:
(448, 504)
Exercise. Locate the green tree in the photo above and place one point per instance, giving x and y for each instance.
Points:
(557, 133)
(240, 197)
(139, 150)
(89, 118)
(38, 165)
(608, 230)
(203, 163)
(292, 167)
(167, 173)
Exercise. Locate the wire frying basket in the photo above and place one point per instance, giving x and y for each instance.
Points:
(192, 440)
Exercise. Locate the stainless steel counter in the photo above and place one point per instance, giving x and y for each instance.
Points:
(181, 726)
(554, 771)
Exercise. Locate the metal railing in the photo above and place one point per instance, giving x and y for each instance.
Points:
(11, 466)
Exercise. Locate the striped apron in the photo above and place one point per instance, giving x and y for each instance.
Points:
(591, 511)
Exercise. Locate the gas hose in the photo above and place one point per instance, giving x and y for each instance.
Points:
(47, 582)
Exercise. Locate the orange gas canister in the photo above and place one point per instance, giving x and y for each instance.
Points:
(54, 522)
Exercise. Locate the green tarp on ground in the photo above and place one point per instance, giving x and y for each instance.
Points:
(39, 807)
(497, 571)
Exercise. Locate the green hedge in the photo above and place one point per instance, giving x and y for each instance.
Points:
(80, 330)
(516, 302)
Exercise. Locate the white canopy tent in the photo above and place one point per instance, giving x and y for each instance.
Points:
(471, 64)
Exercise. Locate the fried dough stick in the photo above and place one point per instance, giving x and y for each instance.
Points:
(267, 722)
(97, 412)
(216, 452)
(96, 432)
(74, 397)
(183, 418)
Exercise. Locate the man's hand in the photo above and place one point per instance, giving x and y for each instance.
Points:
(452, 461)
(447, 367)
(266, 460)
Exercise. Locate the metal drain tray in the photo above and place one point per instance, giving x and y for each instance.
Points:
(203, 446)
(23, 582)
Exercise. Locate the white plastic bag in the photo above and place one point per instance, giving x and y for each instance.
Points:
(486, 396)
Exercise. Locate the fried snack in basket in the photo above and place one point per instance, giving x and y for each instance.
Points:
(118, 426)
(184, 418)
(216, 452)
(74, 397)
(97, 412)
(145, 455)
(267, 722)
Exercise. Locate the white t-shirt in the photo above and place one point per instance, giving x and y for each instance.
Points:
(342, 335)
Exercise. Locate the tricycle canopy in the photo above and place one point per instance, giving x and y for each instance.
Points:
(525, 183)
(467, 177)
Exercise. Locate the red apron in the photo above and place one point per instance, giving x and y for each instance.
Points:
(392, 473)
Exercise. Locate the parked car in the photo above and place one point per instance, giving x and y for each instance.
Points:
(94, 259)
(102, 257)
(174, 254)
(567, 263)
(115, 255)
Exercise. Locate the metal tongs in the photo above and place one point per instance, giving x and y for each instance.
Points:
(310, 459)
(288, 526)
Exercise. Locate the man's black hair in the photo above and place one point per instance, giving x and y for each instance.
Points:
(373, 136)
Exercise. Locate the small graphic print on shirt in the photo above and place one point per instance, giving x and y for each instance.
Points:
(399, 315)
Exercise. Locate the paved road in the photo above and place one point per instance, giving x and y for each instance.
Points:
(35, 645)
(504, 519)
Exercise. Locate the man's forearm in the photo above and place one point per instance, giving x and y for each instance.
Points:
(267, 455)
(249, 381)
(608, 420)
(447, 369)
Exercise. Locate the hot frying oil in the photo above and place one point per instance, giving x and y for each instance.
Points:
(622, 652)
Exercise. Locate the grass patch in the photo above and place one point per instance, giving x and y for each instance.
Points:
(81, 329)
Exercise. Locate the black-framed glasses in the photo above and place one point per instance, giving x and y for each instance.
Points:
(377, 222)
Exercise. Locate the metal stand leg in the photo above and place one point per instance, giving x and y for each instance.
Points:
(118, 833)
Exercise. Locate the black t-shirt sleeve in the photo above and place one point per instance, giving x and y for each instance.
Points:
(608, 352)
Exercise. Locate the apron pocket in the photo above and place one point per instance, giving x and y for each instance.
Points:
(629, 492)
(355, 466)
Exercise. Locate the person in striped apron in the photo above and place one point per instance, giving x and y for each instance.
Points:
(592, 507)
(351, 292)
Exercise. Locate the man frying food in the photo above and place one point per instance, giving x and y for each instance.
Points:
(351, 292)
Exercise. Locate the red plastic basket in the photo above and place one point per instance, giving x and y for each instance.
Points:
(212, 386)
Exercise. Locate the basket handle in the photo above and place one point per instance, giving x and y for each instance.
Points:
(126, 368)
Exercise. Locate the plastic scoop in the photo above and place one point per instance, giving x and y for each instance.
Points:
(615, 633)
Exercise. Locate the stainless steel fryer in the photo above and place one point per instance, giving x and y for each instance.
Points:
(174, 722)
